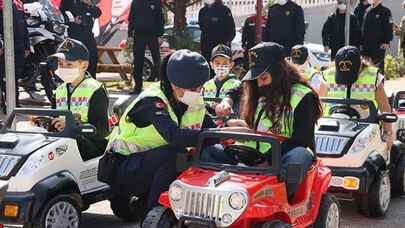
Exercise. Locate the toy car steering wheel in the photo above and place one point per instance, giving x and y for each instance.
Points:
(245, 154)
(44, 122)
(347, 110)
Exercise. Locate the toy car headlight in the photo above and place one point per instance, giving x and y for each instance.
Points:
(237, 200)
(176, 192)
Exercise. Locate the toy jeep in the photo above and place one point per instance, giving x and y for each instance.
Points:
(352, 147)
(49, 180)
(222, 195)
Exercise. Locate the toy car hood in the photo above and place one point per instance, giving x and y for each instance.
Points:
(22, 144)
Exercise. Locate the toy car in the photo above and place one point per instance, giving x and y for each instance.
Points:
(352, 147)
(398, 107)
(49, 180)
(242, 195)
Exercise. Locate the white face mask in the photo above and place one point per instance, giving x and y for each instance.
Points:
(342, 7)
(68, 75)
(281, 2)
(209, 2)
(221, 71)
(191, 98)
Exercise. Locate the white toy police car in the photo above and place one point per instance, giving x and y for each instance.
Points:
(49, 180)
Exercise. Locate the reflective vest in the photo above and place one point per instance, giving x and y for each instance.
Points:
(210, 89)
(363, 89)
(127, 138)
(310, 72)
(264, 124)
(80, 98)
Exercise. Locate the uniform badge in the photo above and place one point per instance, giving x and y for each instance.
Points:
(296, 53)
(287, 13)
(152, 7)
(160, 105)
(214, 19)
(252, 58)
(345, 66)
(377, 16)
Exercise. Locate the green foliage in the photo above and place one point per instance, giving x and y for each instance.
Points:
(394, 67)
(182, 40)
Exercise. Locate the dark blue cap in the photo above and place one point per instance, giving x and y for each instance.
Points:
(263, 57)
(348, 62)
(221, 50)
(72, 50)
(187, 69)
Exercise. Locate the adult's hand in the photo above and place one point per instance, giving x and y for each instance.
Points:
(78, 20)
(237, 123)
(385, 46)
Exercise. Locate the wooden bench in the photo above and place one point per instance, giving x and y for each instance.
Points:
(114, 66)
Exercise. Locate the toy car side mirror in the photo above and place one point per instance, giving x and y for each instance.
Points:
(294, 174)
(401, 135)
(87, 130)
(387, 117)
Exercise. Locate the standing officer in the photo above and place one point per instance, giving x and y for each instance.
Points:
(217, 26)
(360, 10)
(249, 31)
(377, 33)
(285, 24)
(81, 15)
(84, 96)
(333, 31)
(145, 26)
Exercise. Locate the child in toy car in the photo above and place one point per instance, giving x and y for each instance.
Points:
(276, 98)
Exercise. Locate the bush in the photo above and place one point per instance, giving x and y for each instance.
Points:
(183, 40)
(394, 67)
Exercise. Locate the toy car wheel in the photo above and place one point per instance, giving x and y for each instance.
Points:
(377, 202)
(398, 177)
(129, 209)
(147, 74)
(61, 211)
(329, 213)
(275, 224)
(160, 217)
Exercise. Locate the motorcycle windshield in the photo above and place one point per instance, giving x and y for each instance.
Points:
(52, 12)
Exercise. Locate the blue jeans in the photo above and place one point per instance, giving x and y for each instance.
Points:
(298, 155)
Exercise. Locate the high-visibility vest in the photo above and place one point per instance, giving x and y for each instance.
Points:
(210, 89)
(127, 138)
(264, 124)
(363, 89)
(80, 98)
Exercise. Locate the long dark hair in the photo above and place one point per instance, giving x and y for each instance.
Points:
(278, 97)
(165, 85)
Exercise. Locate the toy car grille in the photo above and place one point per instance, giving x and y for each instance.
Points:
(7, 163)
(330, 145)
(203, 205)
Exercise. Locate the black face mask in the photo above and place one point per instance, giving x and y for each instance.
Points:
(264, 90)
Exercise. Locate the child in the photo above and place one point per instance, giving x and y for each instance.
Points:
(224, 80)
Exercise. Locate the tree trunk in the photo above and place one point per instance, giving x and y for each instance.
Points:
(180, 15)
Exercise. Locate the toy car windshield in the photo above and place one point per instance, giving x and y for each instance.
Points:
(240, 157)
(362, 110)
(39, 121)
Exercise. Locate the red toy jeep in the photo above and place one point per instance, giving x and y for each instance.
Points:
(221, 195)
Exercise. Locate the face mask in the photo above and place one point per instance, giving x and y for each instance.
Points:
(221, 71)
(209, 2)
(68, 75)
(191, 98)
(264, 90)
(342, 7)
(281, 2)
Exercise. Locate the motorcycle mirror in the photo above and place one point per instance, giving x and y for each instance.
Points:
(388, 117)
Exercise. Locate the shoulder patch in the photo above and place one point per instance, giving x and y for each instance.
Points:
(160, 104)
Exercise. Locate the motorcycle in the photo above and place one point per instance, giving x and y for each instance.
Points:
(47, 29)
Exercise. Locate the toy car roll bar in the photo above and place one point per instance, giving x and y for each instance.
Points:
(373, 116)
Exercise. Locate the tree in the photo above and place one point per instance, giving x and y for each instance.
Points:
(178, 8)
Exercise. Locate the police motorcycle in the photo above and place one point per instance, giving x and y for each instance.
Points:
(47, 29)
(50, 181)
(351, 145)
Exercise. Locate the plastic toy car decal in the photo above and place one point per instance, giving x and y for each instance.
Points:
(60, 150)
(218, 179)
(266, 191)
(51, 156)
